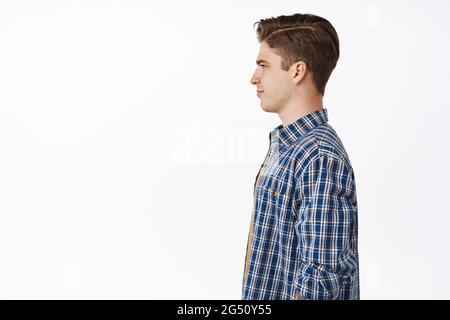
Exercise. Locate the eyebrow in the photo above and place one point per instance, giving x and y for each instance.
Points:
(258, 62)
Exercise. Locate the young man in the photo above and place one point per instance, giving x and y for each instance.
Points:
(303, 239)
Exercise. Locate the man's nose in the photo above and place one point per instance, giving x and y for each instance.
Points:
(254, 80)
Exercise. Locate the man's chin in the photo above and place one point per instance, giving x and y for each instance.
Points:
(267, 108)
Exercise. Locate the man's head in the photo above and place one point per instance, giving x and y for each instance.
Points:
(297, 55)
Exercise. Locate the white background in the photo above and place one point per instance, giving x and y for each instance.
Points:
(130, 138)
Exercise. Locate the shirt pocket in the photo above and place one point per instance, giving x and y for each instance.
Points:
(277, 197)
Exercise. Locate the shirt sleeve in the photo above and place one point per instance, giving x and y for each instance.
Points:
(326, 210)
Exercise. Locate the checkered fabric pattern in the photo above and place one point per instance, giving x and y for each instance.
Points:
(303, 239)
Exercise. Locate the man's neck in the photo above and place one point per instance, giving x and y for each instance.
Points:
(297, 110)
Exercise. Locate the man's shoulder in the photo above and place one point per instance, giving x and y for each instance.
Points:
(321, 142)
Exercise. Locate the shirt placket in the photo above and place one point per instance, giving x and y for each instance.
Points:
(250, 237)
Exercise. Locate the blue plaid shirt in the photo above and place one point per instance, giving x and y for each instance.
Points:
(303, 239)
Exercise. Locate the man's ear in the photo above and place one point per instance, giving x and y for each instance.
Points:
(298, 71)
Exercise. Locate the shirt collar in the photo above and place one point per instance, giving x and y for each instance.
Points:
(293, 131)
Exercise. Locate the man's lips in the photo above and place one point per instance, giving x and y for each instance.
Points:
(259, 92)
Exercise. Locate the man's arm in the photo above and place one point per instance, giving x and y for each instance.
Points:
(326, 213)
